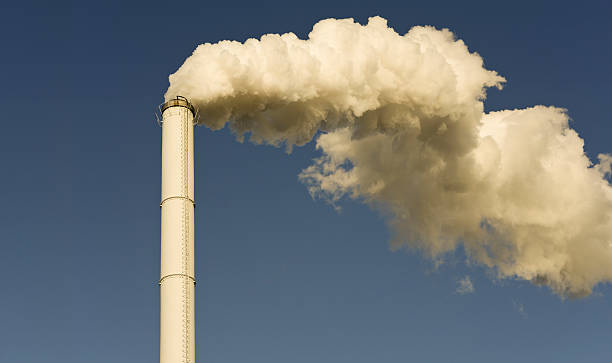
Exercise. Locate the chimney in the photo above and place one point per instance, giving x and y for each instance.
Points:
(177, 281)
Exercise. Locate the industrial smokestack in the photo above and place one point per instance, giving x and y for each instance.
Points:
(177, 282)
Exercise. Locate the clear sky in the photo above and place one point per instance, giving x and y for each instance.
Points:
(281, 277)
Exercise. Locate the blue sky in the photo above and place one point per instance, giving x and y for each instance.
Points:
(281, 278)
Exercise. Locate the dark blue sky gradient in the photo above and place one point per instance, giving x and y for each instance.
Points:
(281, 278)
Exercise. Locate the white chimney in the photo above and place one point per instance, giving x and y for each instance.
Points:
(177, 282)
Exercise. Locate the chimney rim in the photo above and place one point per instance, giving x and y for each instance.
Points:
(178, 101)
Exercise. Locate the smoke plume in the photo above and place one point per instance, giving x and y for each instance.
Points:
(401, 127)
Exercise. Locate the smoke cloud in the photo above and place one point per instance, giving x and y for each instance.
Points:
(400, 124)
(465, 286)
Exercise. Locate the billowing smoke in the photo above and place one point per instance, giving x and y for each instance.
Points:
(401, 127)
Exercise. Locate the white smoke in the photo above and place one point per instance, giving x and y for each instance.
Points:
(403, 130)
(465, 286)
